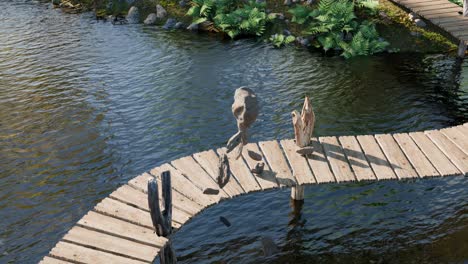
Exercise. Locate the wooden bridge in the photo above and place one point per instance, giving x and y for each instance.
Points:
(444, 14)
(119, 229)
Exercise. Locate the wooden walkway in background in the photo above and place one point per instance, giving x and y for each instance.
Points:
(441, 13)
(119, 228)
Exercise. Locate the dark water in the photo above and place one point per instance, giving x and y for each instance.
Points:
(85, 106)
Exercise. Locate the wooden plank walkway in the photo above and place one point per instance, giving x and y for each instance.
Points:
(119, 228)
(441, 13)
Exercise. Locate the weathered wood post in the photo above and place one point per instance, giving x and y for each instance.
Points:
(162, 220)
(462, 48)
(465, 8)
(303, 124)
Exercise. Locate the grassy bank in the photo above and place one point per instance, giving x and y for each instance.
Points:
(339, 27)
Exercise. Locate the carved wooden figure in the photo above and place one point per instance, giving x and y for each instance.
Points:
(224, 172)
(245, 110)
(303, 124)
(162, 220)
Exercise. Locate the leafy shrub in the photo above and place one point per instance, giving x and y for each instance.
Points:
(280, 40)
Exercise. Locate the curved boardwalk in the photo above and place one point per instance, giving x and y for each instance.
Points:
(119, 228)
(441, 13)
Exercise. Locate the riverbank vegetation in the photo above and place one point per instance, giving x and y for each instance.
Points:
(337, 27)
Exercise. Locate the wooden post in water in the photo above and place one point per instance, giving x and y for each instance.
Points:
(465, 8)
(303, 124)
(297, 193)
(462, 48)
(162, 220)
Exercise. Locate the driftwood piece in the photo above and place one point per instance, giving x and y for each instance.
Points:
(224, 172)
(211, 191)
(224, 221)
(254, 155)
(245, 110)
(162, 220)
(303, 124)
(258, 168)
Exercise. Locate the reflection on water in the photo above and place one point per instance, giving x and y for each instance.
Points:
(85, 106)
(424, 221)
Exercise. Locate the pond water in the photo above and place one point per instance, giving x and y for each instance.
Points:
(85, 106)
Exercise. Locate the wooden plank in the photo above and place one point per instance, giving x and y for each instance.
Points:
(419, 161)
(418, 6)
(277, 162)
(376, 158)
(80, 254)
(437, 13)
(458, 135)
(124, 212)
(454, 25)
(337, 159)
(319, 164)
(121, 229)
(49, 260)
(445, 20)
(241, 172)
(209, 161)
(442, 16)
(356, 158)
(178, 200)
(395, 155)
(423, 2)
(299, 165)
(138, 199)
(443, 165)
(111, 244)
(438, 9)
(443, 7)
(454, 153)
(267, 179)
(184, 186)
(196, 174)
(402, 2)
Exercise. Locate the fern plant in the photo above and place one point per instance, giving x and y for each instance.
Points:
(250, 19)
(457, 2)
(234, 17)
(301, 14)
(333, 16)
(279, 40)
(371, 5)
(206, 10)
(365, 42)
(335, 26)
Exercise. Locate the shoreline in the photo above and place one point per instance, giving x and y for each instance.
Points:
(393, 25)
